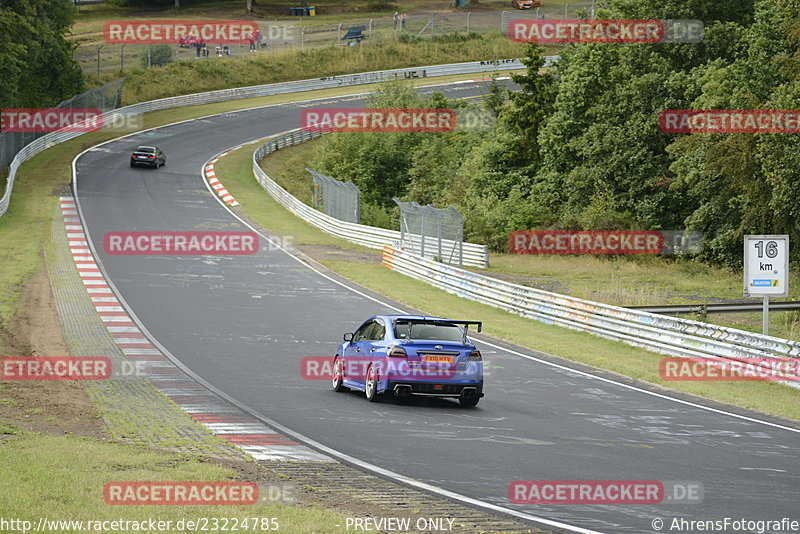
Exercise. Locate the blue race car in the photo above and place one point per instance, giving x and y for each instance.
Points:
(409, 355)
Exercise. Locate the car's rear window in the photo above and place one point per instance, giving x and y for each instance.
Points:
(148, 149)
(434, 332)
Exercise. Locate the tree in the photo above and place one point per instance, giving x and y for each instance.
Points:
(36, 64)
(746, 183)
(532, 104)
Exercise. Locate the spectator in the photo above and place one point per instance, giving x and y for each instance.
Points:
(251, 38)
(396, 19)
(205, 51)
(403, 19)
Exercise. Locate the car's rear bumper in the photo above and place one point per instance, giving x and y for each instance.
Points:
(435, 389)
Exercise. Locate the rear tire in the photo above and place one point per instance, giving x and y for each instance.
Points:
(338, 374)
(371, 385)
(468, 402)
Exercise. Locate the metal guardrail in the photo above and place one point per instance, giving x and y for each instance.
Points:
(369, 236)
(735, 307)
(54, 138)
(659, 333)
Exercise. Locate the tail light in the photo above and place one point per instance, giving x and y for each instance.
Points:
(152, 157)
(397, 352)
(475, 356)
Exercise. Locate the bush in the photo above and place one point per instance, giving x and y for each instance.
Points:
(407, 38)
(382, 5)
(160, 55)
(380, 216)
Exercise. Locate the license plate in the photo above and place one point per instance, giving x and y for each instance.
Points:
(141, 157)
(438, 358)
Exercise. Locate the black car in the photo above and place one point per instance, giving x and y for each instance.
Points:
(148, 155)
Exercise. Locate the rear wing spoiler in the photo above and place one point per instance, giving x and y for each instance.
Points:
(441, 321)
(465, 324)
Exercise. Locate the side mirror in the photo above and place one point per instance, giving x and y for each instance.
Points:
(348, 337)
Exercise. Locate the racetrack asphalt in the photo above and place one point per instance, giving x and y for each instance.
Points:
(243, 323)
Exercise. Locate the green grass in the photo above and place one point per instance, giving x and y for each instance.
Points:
(193, 76)
(630, 281)
(649, 280)
(62, 478)
(289, 168)
(235, 172)
(8, 429)
(26, 226)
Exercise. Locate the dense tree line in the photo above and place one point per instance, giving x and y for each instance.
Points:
(580, 147)
(37, 68)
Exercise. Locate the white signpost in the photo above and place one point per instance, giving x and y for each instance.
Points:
(766, 269)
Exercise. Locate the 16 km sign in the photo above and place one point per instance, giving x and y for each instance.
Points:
(766, 266)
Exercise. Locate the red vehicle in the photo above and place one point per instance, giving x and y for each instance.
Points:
(189, 41)
(526, 4)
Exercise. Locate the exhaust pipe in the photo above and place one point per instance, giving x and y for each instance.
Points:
(469, 393)
(402, 390)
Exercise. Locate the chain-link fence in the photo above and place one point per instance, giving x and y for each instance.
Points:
(304, 32)
(341, 200)
(432, 232)
(104, 98)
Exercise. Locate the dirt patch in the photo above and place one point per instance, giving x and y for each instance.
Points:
(323, 253)
(52, 406)
(36, 329)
